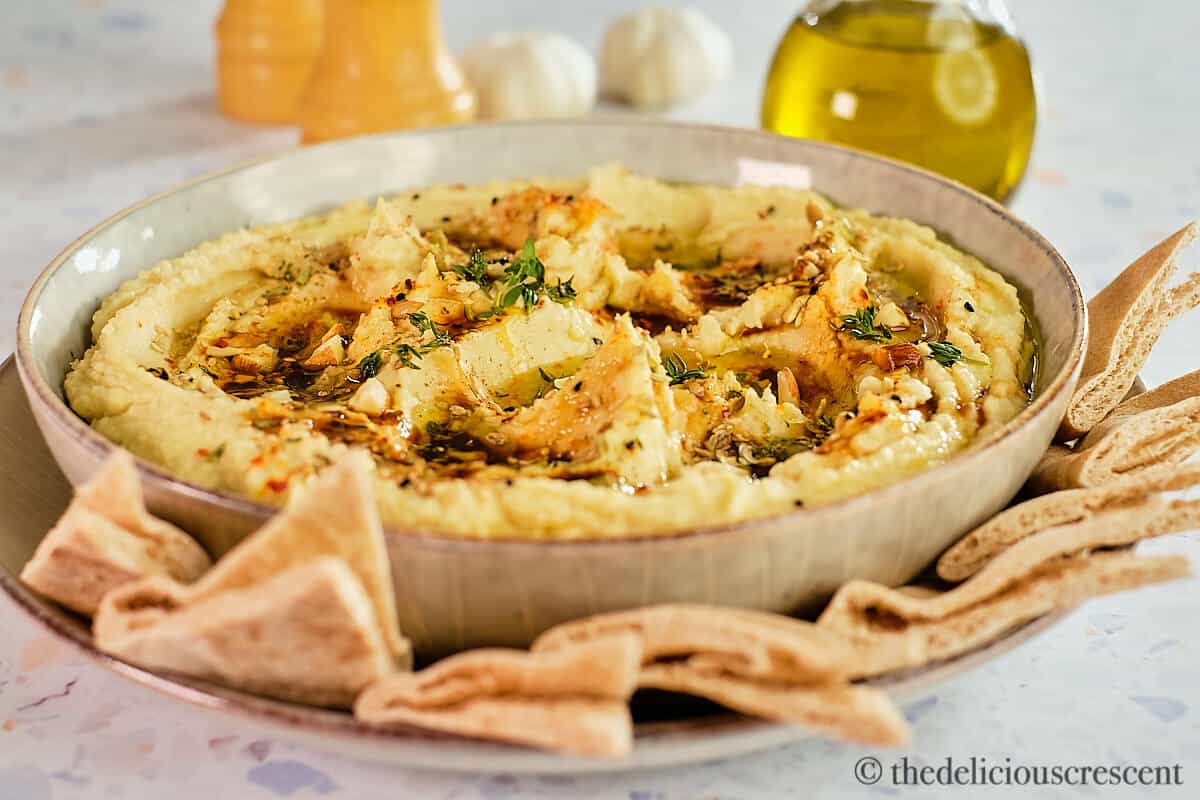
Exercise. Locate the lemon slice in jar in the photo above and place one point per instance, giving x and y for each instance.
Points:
(964, 85)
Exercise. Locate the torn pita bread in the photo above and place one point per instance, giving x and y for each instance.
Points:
(1159, 427)
(857, 601)
(973, 551)
(307, 634)
(885, 642)
(582, 726)
(751, 644)
(853, 713)
(1125, 320)
(105, 539)
(766, 665)
(572, 700)
(604, 668)
(336, 516)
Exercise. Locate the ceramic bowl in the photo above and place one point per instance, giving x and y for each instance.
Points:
(456, 593)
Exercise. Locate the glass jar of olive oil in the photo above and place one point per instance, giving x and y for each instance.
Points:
(942, 84)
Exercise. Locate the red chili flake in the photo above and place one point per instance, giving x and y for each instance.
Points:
(277, 485)
(202, 452)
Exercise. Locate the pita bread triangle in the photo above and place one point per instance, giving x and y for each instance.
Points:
(1159, 427)
(335, 516)
(307, 634)
(106, 538)
(1125, 320)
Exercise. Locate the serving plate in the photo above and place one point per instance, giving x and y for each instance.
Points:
(455, 593)
(33, 492)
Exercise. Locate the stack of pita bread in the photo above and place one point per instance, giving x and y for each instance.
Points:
(304, 610)
(1102, 491)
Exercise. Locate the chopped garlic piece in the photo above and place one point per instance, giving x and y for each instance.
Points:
(371, 398)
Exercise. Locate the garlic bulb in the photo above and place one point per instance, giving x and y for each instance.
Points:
(531, 75)
(660, 57)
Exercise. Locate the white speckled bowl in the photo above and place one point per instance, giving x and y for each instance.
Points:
(456, 593)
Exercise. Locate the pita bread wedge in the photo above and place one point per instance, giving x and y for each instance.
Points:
(885, 642)
(977, 548)
(105, 539)
(307, 634)
(857, 601)
(335, 516)
(1125, 320)
(853, 713)
(748, 643)
(606, 667)
(582, 726)
(1159, 427)
(571, 699)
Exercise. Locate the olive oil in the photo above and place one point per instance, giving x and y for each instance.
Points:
(917, 81)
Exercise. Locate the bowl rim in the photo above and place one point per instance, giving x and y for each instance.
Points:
(43, 395)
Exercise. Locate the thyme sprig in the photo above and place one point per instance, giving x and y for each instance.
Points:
(475, 270)
(407, 354)
(561, 292)
(524, 281)
(440, 337)
(523, 278)
(678, 370)
(368, 365)
(948, 355)
(862, 325)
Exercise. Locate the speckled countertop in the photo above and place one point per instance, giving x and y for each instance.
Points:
(104, 102)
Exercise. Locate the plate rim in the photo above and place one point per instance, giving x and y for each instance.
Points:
(661, 743)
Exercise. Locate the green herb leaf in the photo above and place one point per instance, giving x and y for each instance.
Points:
(369, 366)
(678, 370)
(291, 274)
(475, 270)
(408, 355)
(423, 323)
(561, 292)
(525, 279)
(818, 429)
(861, 325)
(948, 355)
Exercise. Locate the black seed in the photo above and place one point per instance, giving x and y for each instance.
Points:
(896, 398)
(969, 307)
(578, 386)
(445, 219)
(416, 196)
(495, 200)
(798, 503)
